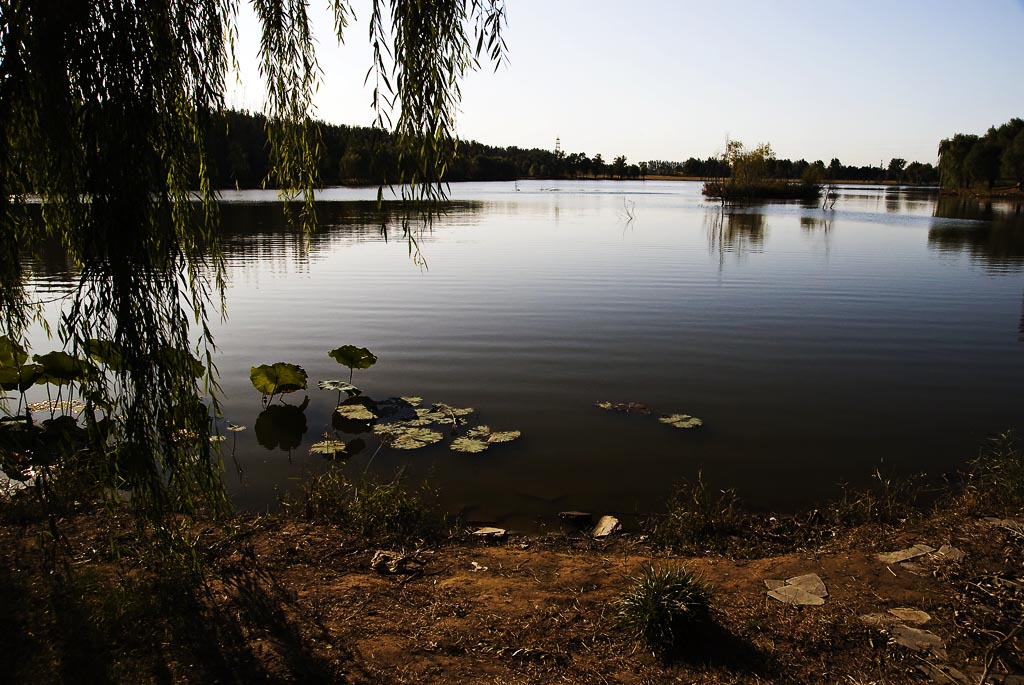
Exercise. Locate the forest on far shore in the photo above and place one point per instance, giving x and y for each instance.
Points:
(239, 156)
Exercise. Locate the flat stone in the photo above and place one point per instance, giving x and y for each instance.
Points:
(951, 553)
(918, 550)
(910, 615)
(488, 532)
(809, 583)
(774, 584)
(606, 525)
(793, 594)
(918, 640)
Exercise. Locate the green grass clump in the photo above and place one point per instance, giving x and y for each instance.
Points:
(699, 519)
(380, 512)
(996, 478)
(889, 499)
(662, 607)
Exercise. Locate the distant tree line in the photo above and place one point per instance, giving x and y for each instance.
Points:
(238, 154)
(965, 158)
(898, 170)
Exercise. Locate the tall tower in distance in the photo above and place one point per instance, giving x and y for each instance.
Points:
(558, 146)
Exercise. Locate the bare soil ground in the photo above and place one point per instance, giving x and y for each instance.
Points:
(287, 601)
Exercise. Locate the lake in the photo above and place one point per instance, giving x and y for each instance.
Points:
(815, 345)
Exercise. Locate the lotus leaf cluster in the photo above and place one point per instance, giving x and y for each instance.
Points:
(681, 421)
(478, 439)
(624, 407)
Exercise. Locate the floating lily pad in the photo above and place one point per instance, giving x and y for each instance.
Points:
(681, 421)
(479, 438)
(355, 412)
(340, 386)
(329, 448)
(503, 436)
(402, 436)
(470, 445)
(278, 378)
(624, 407)
(414, 438)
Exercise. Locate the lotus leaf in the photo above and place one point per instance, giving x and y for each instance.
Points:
(60, 368)
(183, 359)
(20, 378)
(414, 401)
(234, 428)
(470, 445)
(479, 432)
(503, 436)
(328, 447)
(484, 436)
(456, 411)
(11, 353)
(106, 352)
(625, 407)
(279, 378)
(681, 421)
(340, 386)
(414, 438)
(217, 438)
(353, 357)
(356, 412)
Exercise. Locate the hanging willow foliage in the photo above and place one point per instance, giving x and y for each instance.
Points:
(102, 109)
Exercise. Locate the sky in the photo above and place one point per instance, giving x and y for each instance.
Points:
(862, 81)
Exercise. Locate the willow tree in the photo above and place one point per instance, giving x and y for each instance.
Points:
(103, 105)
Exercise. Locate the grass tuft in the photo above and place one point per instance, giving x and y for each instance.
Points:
(996, 478)
(699, 519)
(381, 512)
(662, 607)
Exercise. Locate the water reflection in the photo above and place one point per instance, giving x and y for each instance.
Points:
(990, 232)
(739, 232)
(258, 232)
(281, 426)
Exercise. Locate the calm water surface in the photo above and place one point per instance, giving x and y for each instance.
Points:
(816, 346)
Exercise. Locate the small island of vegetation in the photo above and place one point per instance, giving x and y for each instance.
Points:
(749, 177)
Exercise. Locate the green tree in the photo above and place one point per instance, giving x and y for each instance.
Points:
(952, 160)
(619, 166)
(895, 170)
(1012, 165)
(103, 108)
(982, 162)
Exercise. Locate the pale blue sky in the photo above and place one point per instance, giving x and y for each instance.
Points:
(661, 79)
